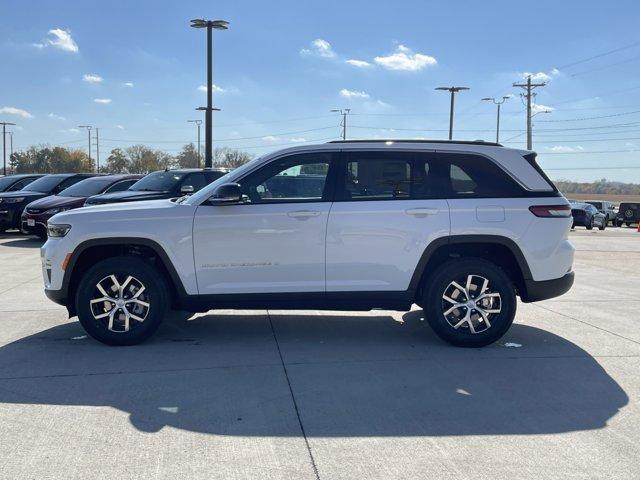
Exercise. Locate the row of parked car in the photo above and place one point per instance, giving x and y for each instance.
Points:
(599, 214)
(27, 201)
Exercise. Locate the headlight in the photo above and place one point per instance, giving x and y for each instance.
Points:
(53, 211)
(14, 200)
(57, 230)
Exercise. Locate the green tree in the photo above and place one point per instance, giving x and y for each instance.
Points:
(230, 157)
(117, 162)
(188, 157)
(143, 160)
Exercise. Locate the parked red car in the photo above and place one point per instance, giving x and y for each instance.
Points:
(35, 215)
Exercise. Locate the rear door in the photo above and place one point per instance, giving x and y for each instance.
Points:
(385, 213)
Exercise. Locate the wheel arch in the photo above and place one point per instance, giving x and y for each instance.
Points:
(90, 251)
(499, 250)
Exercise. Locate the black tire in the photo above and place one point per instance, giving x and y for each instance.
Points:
(590, 224)
(628, 224)
(155, 294)
(603, 226)
(434, 305)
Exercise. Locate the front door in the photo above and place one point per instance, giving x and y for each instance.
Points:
(275, 240)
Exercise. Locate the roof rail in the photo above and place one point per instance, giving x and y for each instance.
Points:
(406, 140)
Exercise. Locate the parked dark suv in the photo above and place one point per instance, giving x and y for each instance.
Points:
(13, 203)
(628, 213)
(36, 214)
(162, 184)
(13, 183)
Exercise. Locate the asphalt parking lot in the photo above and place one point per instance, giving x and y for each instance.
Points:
(329, 395)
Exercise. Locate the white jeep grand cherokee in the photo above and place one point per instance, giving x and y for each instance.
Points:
(459, 228)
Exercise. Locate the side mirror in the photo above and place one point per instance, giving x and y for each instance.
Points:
(227, 193)
(187, 189)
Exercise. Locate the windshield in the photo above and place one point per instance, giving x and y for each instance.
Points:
(44, 184)
(157, 182)
(86, 188)
(6, 182)
(205, 192)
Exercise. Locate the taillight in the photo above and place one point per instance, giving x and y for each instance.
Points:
(551, 211)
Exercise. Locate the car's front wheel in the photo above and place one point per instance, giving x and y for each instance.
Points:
(590, 224)
(121, 300)
(602, 226)
(469, 302)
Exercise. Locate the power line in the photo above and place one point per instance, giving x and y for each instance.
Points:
(600, 55)
(594, 168)
(223, 139)
(604, 67)
(587, 152)
(590, 118)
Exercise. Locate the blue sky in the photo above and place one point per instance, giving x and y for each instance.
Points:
(134, 68)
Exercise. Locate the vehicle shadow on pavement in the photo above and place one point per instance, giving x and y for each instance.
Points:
(352, 375)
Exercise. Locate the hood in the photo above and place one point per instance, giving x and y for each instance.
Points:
(117, 212)
(126, 196)
(22, 193)
(54, 201)
(128, 207)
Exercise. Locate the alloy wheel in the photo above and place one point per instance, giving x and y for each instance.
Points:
(121, 305)
(472, 306)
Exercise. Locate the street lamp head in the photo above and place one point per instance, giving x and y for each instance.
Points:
(215, 109)
(488, 99)
(220, 24)
(452, 89)
(199, 23)
(216, 24)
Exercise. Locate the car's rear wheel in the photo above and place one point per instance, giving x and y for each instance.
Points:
(469, 302)
(602, 226)
(122, 300)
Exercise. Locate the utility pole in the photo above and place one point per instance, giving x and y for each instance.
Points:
(499, 104)
(529, 87)
(210, 25)
(4, 145)
(343, 123)
(97, 150)
(453, 91)
(88, 127)
(198, 123)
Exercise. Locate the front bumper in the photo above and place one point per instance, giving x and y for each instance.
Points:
(9, 217)
(536, 291)
(39, 221)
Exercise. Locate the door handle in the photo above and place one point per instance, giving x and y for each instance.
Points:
(303, 213)
(421, 211)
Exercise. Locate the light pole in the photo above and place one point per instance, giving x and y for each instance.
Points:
(344, 112)
(208, 134)
(210, 25)
(498, 103)
(4, 145)
(453, 91)
(88, 127)
(530, 130)
(198, 123)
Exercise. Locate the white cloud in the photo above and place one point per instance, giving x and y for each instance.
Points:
(120, 127)
(102, 100)
(319, 47)
(353, 94)
(128, 84)
(59, 38)
(406, 60)
(297, 139)
(358, 63)
(92, 78)
(541, 76)
(271, 138)
(565, 149)
(72, 130)
(216, 88)
(538, 108)
(15, 111)
(53, 116)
